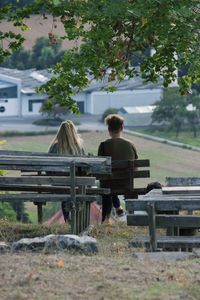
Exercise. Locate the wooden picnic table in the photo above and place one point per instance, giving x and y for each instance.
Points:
(163, 207)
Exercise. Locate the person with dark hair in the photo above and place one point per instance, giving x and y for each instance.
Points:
(118, 148)
(153, 185)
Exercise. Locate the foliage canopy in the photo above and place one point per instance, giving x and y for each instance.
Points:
(177, 110)
(109, 34)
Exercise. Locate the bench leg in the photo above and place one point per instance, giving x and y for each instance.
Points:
(39, 213)
(152, 226)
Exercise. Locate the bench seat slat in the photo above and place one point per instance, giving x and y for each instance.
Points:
(167, 241)
(182, 181)
(165, 221)
(192, 203)
(53, 189)
(46, 197)
(51, 180)
(181, 190)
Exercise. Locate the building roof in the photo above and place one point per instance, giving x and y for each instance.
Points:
(127, 84)
(137, 109)
(30, 79)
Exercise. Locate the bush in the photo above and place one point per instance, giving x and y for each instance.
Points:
(7, 212)
(109, 111)
(15, 231)
(48, 122)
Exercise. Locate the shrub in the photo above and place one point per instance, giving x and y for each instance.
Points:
(7, 212)
(48, 122)
(109, 111)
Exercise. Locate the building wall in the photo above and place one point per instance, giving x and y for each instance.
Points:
(31, 104)
(11, 107)
(100, 101)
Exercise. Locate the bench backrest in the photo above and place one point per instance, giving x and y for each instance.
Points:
(121, 181)
(182, 181)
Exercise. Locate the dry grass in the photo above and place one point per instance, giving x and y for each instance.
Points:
(113, 273)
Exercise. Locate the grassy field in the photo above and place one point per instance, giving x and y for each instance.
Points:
(165, 160)
(113, 273)
(185, 136)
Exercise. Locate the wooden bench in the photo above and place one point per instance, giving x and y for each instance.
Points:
(42, 177)
(163, 210)
(122, 180)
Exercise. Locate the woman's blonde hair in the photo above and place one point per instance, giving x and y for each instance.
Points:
(68, 139)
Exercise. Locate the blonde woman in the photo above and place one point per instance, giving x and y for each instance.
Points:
(66, 141)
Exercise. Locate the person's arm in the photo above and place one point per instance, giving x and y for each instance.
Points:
(134, 151)
(53, 148)
(100, 150)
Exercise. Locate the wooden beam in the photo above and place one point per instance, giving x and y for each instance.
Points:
(165, 221)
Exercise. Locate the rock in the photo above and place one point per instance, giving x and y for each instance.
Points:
(49, 243)
(4, 247)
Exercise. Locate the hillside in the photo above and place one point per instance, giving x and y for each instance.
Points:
(39, 27)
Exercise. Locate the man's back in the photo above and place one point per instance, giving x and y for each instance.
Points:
(118, 149)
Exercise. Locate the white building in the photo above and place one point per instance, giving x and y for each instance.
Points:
(137, 115)
(19, 98)
(17, 91)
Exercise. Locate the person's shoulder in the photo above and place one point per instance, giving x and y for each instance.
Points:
(106, 141)
(127, 141)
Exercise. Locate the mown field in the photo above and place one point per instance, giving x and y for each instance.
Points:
(165, 160)
(114, 272)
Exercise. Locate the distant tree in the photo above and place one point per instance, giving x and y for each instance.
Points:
(45, 54)
(193, 113)
(171, 110)
(21, 59)
(53, 110)
(42, 56)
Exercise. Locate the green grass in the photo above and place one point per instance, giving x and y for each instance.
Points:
(185, 136)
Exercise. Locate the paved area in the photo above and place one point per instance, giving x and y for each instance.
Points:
(91, 123)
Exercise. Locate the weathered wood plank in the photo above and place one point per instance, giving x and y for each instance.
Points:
(125, 174)
(45, 180)
(167, 241)
(46, 197)
(165, 221)
(95, 164)
(54, 189)
(181, 190)
(182, 181)
(165, 205)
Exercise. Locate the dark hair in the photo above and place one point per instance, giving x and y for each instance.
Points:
(114, 122)
(153, 185)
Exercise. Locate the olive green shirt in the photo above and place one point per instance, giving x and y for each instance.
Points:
(118, 149)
